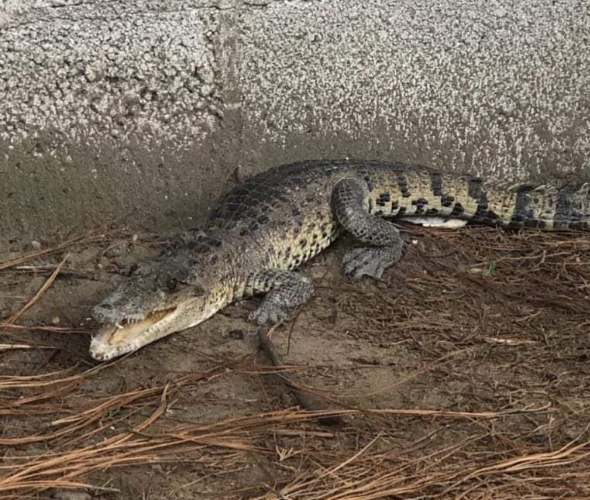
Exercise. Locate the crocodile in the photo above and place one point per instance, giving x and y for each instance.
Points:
(273, 222)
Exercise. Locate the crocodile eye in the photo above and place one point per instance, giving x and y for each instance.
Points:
(172, 284)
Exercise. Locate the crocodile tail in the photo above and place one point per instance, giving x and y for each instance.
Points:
(572, 210)
(543, 207)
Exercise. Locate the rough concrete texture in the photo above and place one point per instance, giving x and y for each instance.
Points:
(496, 87)
(109, 109)
(144, 108)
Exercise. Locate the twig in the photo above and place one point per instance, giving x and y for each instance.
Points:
(10, 347)
(15, 317)
(44, 328)
(302, 398)
(74, 273)
(19, 260)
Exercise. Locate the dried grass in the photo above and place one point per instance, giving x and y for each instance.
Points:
(454, 284)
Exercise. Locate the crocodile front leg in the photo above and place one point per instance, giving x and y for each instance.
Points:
(286, 290)
(349, 202)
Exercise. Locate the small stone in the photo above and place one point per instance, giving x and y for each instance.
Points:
(134, 238)
(71, 495)
(103, 263)
(55, 320)
(36, 245)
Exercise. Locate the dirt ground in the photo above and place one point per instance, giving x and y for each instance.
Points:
(463, 374)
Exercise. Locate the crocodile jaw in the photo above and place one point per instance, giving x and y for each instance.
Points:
(114, 340)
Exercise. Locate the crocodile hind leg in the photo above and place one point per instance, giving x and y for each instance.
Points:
(286, 290)
(384, 244)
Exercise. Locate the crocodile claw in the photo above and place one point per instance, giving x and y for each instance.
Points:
(268, 313)
(372, 262)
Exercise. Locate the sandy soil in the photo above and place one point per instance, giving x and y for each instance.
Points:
(464, 373)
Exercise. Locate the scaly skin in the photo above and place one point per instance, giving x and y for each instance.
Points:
(277, 220)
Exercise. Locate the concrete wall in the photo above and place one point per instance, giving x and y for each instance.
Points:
(143, 108)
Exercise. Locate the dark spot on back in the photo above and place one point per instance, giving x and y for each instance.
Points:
(457, 209)
(436, 183)
(369, 182)
(383, 199)
(402, 183)
(447, 201)
(577, 225)
(474, 188)
(521, 207)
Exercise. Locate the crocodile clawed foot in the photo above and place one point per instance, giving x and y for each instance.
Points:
(268, 313)
(288, 290)
(369, 261)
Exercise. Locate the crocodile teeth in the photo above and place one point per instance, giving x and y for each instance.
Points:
(118, 326)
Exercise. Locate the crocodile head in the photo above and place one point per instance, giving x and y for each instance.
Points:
(159, 298)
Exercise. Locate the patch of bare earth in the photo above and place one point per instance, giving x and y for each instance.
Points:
(464, 374)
